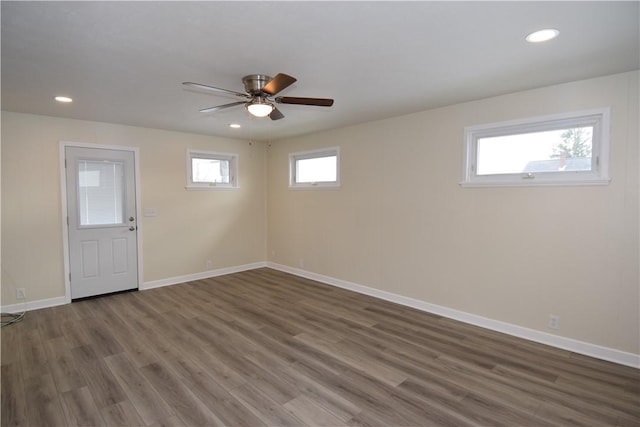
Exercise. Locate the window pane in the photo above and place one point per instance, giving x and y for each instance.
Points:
(548, 151)
(210, 170)
(101, 192)
(319, 169)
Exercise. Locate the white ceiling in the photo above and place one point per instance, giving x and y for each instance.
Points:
(123, 62)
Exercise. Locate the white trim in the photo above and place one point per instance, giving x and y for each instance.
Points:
(312, 154)
(599, 118)
(316, 186)
(232, 158)
(581, 347)
(216, 187)
(200, 276)
(65, 226)
(549, 183)
(63, 192)
(34, 305)
(52, 302)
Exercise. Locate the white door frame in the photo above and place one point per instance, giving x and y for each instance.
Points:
(63, 194)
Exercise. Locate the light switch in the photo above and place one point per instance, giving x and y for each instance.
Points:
(150, 212)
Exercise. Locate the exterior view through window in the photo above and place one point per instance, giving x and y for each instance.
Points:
(315, 168)
(566, 149)
(209, 170)
(320, 169)
(550, 151)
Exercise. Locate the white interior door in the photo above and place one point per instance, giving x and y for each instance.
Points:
(102, 224)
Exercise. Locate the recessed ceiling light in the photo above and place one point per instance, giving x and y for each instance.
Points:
(542, 35)
(234, 125)
(63, 99)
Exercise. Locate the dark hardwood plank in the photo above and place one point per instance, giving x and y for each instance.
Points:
(216, 397)
(43, 402)
(269, 412)
(49, 324)
(121, 414)
(357, 360)
(101, 339)
(148, 403)
(103, 385)
(56, 347)
(9, 345)
(34, 358)
(311, 413)
(80, 409)
(65, 373)
(14, 405)
(186, 405)
(561, 415)
(487, 411)
(131, 342)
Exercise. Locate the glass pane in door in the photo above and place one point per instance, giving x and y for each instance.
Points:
(101, 192)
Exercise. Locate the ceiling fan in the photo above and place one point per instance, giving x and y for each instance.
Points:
(260, 96)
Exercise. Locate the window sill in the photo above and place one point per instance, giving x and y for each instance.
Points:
(533, 183)
(318, 186)
(210, 187)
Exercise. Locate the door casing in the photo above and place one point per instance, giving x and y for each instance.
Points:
(63, 194)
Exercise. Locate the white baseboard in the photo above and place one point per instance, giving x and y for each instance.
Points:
(52, 302)
(200, 276)
(581, 347)
(33, 305)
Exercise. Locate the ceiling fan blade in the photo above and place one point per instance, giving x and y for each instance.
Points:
(215, 89)
(278, 83)
(221, 107)
(276, 114)
(320, 102)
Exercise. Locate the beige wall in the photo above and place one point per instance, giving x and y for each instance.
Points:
(509, 254)
(227, 227)
(401, 223)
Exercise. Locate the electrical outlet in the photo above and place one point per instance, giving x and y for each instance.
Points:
(21, 293)
(209, 265)
(301, 263)
(554, 321)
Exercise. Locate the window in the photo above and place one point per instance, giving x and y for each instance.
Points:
(567, 149)
(207, 170)
(101, 192)
(318, 168)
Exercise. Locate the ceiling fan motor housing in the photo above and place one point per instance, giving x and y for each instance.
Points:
(254, 83)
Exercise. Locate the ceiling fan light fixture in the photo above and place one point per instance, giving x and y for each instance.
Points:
(260, 108)
(260, 98)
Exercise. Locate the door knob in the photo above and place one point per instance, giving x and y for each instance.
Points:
(131, 218)
(132, 228)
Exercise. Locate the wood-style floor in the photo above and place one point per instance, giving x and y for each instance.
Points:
(266, 348)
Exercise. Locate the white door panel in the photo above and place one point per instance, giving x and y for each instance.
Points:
(102, 225)
(89, 259)
(119, 255)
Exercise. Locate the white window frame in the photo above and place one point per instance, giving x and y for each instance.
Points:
(312, 154)
(232, 158)
(598, 175)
